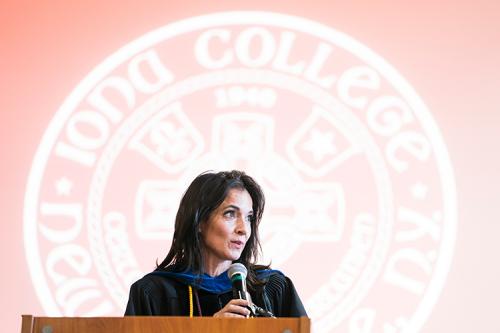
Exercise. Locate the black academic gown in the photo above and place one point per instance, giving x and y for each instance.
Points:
(155, 295)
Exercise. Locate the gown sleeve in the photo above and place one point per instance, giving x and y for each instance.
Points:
(284, 299)
(139, 301)
(156, 296)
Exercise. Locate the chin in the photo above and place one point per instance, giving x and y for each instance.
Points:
(234, 256)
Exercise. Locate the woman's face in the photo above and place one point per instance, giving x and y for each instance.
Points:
(228, 228)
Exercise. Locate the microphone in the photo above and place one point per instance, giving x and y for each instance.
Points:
(238, 275)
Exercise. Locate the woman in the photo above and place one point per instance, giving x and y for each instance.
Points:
(216, 225)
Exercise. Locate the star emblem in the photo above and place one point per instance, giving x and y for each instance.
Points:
(320, 144)
(63, 186)
(419, 190)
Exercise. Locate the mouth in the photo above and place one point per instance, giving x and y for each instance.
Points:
(237, 244)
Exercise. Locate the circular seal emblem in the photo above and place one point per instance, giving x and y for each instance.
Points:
(361, 198)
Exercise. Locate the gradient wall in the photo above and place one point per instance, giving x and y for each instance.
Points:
(372, 128)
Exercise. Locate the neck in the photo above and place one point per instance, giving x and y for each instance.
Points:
(215, 266)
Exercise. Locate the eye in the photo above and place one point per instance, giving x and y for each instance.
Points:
(250, 218)
(230, 213)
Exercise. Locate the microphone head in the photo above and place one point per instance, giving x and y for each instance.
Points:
(237, 269)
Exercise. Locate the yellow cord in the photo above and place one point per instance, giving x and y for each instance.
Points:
(190, 302)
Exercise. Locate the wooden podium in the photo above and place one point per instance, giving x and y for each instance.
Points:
(154, 324)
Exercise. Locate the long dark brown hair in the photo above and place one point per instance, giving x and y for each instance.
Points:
(202, 197)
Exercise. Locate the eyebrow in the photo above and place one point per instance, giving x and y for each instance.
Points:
(237, 208)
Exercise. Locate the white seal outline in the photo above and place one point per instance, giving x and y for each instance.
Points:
(237, 18)
(167, 98)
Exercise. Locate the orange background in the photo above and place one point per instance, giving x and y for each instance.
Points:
(448, 51)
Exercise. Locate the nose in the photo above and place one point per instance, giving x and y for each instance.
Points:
(242, 228)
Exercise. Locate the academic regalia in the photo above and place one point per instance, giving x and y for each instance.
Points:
(166, 293)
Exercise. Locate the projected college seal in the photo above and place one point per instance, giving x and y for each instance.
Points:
(361, 208)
